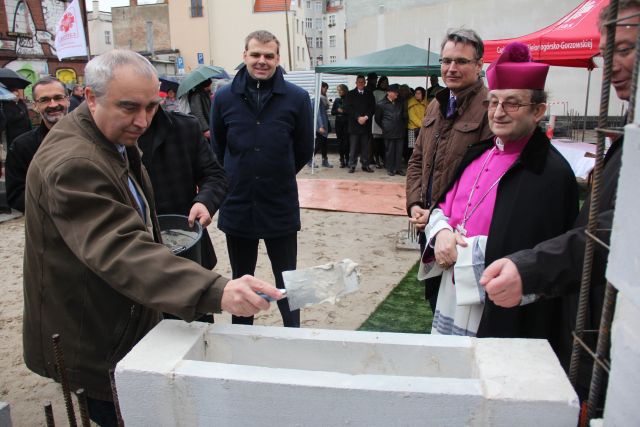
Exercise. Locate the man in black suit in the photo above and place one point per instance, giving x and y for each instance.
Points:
(360, 107)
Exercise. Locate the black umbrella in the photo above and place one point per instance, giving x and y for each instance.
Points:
(168, 82)
(13, 80)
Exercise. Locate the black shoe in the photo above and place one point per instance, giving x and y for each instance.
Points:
(401, 173)
(352, 169)
(367, 169)
(342, 164)
(390, 173)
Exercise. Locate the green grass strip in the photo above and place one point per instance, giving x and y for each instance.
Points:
(404, 310)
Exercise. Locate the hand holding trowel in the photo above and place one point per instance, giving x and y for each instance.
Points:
(323, 283)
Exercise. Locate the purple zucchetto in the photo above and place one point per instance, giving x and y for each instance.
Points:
(515, 69)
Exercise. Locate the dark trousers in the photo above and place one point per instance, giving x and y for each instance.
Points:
(321, 145)
(102, 412)
(359, 144)
(379, 152)
(343, 140)
(431, 286)
(393, 158)
(282, 252)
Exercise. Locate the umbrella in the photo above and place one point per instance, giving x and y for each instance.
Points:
(6, 94)
(200, 74)
(167, 82)
(13, 80)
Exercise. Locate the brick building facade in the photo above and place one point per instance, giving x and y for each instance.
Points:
(27, 34)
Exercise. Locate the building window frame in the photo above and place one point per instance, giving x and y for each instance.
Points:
(196, 9)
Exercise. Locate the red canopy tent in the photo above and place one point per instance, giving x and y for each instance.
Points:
(571, 42)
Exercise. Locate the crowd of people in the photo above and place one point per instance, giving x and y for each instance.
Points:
(376, 123)
(484, 188)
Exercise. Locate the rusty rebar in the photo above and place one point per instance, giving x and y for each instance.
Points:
(114, 392)
(59, 357)
(594, 208)
(602, 350)
(48, 415)
(84, 407)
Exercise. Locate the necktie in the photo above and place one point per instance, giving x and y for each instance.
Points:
(451, 109)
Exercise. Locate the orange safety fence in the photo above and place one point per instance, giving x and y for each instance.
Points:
(353, 196)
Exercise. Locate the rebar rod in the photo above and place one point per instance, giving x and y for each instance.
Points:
(59, 357)
(116, 402)
(602, 350)
(84, 407)
(48, 415)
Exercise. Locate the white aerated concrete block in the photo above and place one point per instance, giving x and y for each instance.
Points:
(5, 415)
(232, 375)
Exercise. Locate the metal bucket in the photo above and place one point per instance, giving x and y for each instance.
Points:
(181, 239)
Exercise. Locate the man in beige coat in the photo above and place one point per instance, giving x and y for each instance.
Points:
(455, 119)
(94, 269)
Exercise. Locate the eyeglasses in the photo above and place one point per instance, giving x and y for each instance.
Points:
(507, 106)
(458, 61)
(47, 100)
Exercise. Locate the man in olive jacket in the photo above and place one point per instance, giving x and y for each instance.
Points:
(455, 119)
(94, 270)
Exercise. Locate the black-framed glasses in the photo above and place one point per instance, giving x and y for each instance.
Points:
(46, 99)
(507, 106)
(458, 61)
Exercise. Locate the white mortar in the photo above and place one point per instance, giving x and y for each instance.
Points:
(197, 374)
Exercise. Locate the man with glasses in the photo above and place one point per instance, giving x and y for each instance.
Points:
(554, 267)
(455, 119)
(51, 101)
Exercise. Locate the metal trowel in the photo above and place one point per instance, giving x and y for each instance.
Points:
(323, 283)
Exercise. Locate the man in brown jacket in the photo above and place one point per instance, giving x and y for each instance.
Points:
(94, 271)
(455, 119)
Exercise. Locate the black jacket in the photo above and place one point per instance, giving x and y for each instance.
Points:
(356, 105)
(537, 199)
(262, 151)
(554, 267)
(183, 170)
(392, 118)
(200, 104)
(16, 119)
(19, 157)
(75, 101)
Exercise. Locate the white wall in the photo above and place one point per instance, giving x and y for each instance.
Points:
(623, 271)
(375, 25)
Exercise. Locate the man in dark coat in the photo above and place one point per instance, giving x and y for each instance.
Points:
(76, 98)
(553, 268)
(262, 128)
(51, 101)
(16, 117)
(186, 176)
(359, 106)
(391, 116)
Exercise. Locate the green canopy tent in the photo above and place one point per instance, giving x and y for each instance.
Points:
(400, 61)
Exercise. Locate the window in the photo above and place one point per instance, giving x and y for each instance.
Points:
(309, 23)
(308, 4)
(298, 48)
(318, 23)
(196, 8)
(318, 41)
(332, 58)
(303, 55)
(332, 41)
(297, 26)
(318, 6)
(319, 60)
(309, 41)
(312, 62)
(107, 37)
(332, 20)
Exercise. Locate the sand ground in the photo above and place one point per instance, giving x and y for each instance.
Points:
(325, 236)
